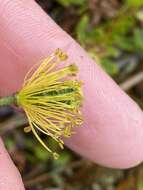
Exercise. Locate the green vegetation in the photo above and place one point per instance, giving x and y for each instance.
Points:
(112, 37)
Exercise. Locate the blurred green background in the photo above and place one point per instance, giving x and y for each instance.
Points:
(112, 33)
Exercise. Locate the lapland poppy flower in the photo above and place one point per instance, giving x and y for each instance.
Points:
(51, 98)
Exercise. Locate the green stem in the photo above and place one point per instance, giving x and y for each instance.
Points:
(8, 100)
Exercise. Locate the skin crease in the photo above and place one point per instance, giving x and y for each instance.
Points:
(112, 134)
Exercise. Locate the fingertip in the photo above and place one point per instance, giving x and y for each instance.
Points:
(112, 134)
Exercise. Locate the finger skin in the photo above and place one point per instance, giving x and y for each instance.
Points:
(112, 134)
(10, 179)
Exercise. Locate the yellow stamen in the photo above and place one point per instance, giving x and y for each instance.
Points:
(52, 100)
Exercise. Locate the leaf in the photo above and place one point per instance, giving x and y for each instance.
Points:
(138, 39)
(134, 3)
(126, 43)
(9, 143)
(63, 160)
(109, 66)
(69, 2)
(82, 29)
(41, 154)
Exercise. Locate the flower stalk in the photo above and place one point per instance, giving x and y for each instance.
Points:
(8, 100)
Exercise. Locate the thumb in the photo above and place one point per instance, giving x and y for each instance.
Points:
(112, 134)
(10, 179)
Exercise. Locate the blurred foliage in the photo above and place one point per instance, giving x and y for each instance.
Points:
(71, 2)
(134, 3)
(108, 40)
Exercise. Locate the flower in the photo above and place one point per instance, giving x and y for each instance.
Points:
(51, 98)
